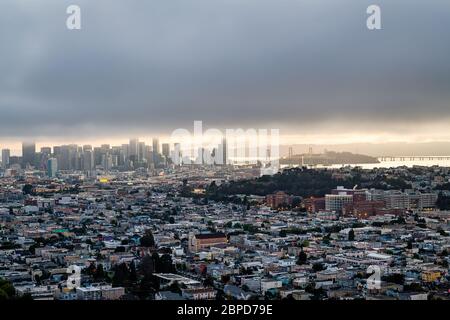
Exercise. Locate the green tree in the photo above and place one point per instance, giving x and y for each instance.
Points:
(147, 266)
(27, 189)
(165, 264)
(147, 240)
(175, 287)
(397, 278)
(99, 272)
(409, 245)
(133, 273)
(318, 267)
(351, 235)
(3, 295)
(7, 290)
(302, 258)
(121, 275)
(91, 269)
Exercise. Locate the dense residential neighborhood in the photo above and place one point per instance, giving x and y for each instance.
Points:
(181, 233)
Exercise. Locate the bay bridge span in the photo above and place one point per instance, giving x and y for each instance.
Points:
(413, 158)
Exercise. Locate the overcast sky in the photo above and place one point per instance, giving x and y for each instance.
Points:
(308, 67)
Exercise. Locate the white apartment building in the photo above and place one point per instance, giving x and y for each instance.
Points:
(396, 199)
(335, 202)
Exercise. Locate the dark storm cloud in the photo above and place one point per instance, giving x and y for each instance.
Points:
(147, 66)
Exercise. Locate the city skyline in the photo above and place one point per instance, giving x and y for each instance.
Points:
(378, 149)
(131, 155)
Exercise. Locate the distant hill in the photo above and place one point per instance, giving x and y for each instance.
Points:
(328, 158)
(374, 149)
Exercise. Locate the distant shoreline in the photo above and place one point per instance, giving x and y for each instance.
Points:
(329, 158)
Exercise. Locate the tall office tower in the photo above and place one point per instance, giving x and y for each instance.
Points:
(290, 155)
(155, 145)
(176, 154)
(52, 167)
(62, 154)
(225, 151)
(141, 151)
(46, 150)
(56, 150)
(98, 152)
(43, 157)
(71, 150)
(87, 147)
(28, 154)
(78, 159)
(73, 156)
(88, 160)
(107, 162)
(133, 150)
(67, 156)
(125, 152)
(199, 158)
(166, 150)
(150, 156)
(117, 155)
(220, 156)
(104, 151)
(6, 153)
(114, 160)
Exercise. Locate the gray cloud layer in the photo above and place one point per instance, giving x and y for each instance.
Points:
(147, 66)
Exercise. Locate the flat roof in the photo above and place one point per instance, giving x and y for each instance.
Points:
(176, 277)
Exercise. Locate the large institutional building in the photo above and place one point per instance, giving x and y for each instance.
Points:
(198, 242)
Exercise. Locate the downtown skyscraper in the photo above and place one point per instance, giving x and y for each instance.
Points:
(6, 154)
(28, 154)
